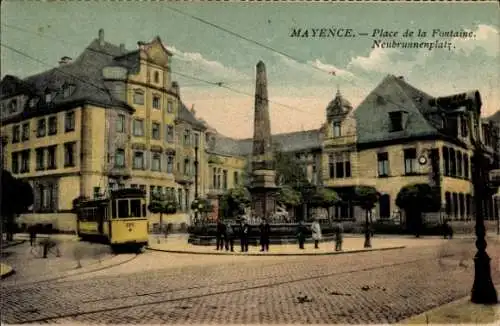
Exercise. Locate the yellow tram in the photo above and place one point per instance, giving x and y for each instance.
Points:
(120, 220)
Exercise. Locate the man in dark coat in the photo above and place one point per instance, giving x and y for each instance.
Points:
(244, 232)
(229, 239)
(447, 230)
(339, 230)
(301, 234)
(221, 232)
(265, 230)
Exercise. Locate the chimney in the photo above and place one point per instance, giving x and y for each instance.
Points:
(122, 47)
(193, 110)
(101, 37)
(64, 61)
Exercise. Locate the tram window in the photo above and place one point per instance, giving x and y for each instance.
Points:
(113, 209)
(123, 209)
(135, 207)
(144, 210)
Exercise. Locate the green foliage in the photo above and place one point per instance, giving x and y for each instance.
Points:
(366, 197)
(202, 205)
(17, 195)
(234, 201)
(289, 197)
(289, 170)
(419, 197)
(163, 204)
(323, 197)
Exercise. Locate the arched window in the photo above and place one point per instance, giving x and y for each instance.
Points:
(157, 77)
(385, 206)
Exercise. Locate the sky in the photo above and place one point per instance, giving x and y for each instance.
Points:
(299, 73)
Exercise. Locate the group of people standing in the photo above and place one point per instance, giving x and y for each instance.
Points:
(226, 234)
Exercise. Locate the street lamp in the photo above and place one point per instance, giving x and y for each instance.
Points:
(196, 144)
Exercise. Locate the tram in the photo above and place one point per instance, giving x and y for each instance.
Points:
(120, 219)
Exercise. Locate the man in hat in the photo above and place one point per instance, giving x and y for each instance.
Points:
(339, 229)
(244, 231)
(221, 231)
(265, 230)
(301, 234)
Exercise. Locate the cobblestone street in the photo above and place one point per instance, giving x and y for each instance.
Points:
(156, 287)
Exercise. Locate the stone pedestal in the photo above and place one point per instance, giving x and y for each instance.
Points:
(264, 192)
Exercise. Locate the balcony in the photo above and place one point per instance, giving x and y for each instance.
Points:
(216, 192)
(183, 179)
(341, 141)
(119, 172)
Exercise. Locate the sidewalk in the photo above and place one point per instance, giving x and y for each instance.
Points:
(458, 312)
(178, 244)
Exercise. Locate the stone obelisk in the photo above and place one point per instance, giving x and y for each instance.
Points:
(263, 186)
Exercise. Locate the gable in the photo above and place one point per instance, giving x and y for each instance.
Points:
(155, 52)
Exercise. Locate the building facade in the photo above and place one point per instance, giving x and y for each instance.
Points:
(114, 118)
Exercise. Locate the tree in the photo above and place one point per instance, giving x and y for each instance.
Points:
(324, 198)
(289, 197)
(202, 205)
(234, 201)
(163, 204)
(16, 197)
(366, 197)
(289, 171)
(416, 199)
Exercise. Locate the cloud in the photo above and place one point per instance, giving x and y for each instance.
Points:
(486, 37)
(195, 64)
(330, 68)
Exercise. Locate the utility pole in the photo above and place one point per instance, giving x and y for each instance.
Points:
(196, 147)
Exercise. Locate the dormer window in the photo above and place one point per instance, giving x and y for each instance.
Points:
(13, 106)
(33, 102)
(48, 97)
(337, 131)
(68, 90)
(397, 119)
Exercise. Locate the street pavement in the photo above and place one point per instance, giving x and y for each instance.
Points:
(159, 287)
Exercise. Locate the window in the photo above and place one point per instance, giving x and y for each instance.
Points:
(97, 192)
(157, 77)
(69, 121)
(179, 196)
(331, 166)
(138, 128)
(52, 125)
(33, 102)
(16, 134)
(453, 162)
(156, 102)
(26, 131)
(466, 166)
(170, 106)
(139, 160)
(69, 154)
(155, 130)
(133, 186)
(152, 192)
(383, 164)
(214, 178)
(123, 208)
(170, 164)
(15, 162)
(459, 164)
(51, 157)
(120, 158)
(156, 162)
(25, 161)
(169, 134)
(336, 129)
(13, 106)
(41, 126)
(396, 120)
(48, 97)
(224, 179)
(446, 158)
(463, 127)
(40, 159)
(47, 197)
(196, 140)
(236, 178)
(340, 166)
(187, 137)
(138, 97)
(186, 167)
(410, 157)
(120, 123)
(135, 208)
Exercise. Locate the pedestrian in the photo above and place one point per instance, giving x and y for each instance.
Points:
(244, 232)
(220, 234)
(316, 233)
(447, 230)
(229, 239)
(301, 234)
(265, 230)
(32, 231)
(339, 230)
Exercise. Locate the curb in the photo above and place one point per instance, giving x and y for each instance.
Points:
(13, 243)
(10, 271)
(192, 252)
